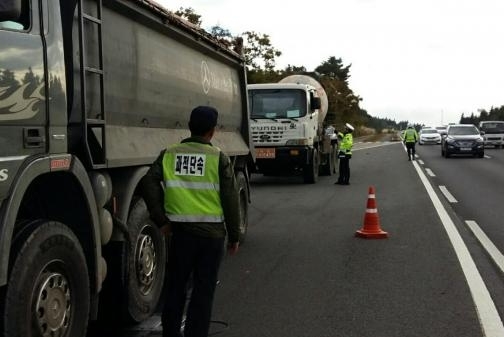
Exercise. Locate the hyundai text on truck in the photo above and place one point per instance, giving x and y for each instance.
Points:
(90, 93)
(287, 128)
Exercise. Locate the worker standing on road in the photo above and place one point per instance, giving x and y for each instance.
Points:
(344, 155)
(410, 138)
(198, 205)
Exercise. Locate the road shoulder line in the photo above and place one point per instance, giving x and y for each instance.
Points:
(429, 172)
(489, 318)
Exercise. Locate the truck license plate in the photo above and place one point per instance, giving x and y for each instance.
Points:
(265, 153)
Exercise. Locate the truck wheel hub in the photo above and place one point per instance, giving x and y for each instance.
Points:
(146, 263)
(53, 305)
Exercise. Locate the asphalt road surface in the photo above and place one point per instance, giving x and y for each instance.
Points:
(303, 273)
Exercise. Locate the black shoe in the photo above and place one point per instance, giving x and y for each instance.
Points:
(338, 183)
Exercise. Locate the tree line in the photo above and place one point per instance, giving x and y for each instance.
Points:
(494, 114)
(260, 57)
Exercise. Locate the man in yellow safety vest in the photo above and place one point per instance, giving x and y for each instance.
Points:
(344, 154)
(197, 207)
(410, 138)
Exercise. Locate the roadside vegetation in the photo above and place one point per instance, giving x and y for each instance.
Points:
(494, 114)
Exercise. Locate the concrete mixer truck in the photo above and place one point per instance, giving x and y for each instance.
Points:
(287, 128)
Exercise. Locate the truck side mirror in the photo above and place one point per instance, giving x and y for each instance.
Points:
(10, 10)
(316, 103)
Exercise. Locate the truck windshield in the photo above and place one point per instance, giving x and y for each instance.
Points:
(277, 103)
(492, 127)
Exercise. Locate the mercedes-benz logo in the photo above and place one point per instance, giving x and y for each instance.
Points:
(205, 77)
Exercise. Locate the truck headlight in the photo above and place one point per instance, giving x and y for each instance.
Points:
(297, 142)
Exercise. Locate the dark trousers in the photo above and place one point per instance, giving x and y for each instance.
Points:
(410, 147)
(200, 256)
(344, 170)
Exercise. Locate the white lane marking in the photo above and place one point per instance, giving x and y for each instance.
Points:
(494, 253)
(420, 161)
(429, 172)
(447, 194)
(487, 156)
(489, 318)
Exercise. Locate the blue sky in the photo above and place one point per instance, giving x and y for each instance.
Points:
(426, 61)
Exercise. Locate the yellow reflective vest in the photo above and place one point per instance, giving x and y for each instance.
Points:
(410, 135)
(191, 179)
(346, 143)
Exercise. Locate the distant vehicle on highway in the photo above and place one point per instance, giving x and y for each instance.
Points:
(441, 130)
(429, 136)
(494, 133)
(462, 139)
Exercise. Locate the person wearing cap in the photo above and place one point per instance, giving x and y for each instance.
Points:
(344, 154)
(197, 207)
(410, 137)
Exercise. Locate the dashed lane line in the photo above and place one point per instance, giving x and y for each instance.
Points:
(429, 172)
(494, 253)
(447, 194)
(420, 161)
(490, 321)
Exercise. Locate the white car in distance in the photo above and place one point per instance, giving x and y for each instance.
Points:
(429, 136)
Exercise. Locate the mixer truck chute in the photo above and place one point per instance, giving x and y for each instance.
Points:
(287, 128)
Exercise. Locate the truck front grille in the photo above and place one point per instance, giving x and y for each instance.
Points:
(259, 137)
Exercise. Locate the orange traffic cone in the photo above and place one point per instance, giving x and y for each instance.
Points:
(371, 228)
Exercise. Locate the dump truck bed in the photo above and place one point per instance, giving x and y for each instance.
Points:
(157, 68)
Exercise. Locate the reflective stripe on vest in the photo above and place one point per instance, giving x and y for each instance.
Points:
(191, 178)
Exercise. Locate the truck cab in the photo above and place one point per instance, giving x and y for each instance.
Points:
(283, 115)
(493, 133)
(287, 129)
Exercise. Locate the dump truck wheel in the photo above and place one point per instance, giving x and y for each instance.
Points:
(146, 264)
(48, 288)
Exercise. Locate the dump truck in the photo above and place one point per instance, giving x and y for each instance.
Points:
(90, 93)
(287, 126)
